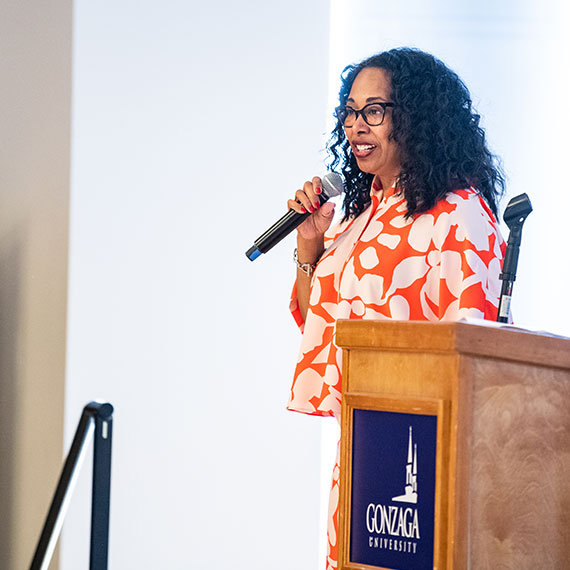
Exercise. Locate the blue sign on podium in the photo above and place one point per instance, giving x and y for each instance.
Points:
(392, 502)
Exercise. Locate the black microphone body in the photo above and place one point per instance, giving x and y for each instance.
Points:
(332, 186)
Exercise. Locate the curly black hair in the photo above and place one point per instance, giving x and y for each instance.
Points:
(442, 147)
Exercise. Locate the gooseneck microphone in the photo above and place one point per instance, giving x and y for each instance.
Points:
(515, 215)
(332, 186)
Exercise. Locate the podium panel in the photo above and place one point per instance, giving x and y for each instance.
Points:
(455, 447)
(394, 482)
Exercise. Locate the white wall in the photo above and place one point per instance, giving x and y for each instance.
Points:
(192, 125)
(513, 56)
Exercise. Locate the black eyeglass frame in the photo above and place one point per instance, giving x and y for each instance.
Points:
(341, 109)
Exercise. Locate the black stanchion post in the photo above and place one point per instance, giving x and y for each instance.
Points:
(101, 487)
(96, 418)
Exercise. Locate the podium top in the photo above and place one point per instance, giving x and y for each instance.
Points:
(488, 340)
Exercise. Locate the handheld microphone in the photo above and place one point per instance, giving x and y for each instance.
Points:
(332, 186)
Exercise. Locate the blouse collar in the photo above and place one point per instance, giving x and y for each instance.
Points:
(376, 190)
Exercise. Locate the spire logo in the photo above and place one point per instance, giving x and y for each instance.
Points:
(411, 489)
(396, 521)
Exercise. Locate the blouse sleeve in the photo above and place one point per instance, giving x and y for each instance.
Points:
(331, 234)
(294, 308)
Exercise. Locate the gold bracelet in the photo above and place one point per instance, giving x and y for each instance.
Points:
(307, 268)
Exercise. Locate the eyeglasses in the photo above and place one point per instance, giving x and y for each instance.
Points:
(373, 114)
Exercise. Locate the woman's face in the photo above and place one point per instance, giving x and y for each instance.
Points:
(372, 147)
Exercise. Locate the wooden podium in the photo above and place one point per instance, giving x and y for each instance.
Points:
(474, 422)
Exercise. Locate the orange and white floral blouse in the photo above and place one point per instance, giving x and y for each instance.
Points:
(440, 265)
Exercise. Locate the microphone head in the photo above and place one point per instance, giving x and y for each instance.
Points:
(333, 184)
(517, 210)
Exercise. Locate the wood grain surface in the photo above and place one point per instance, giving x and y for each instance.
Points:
(505, 343)
(520, 467)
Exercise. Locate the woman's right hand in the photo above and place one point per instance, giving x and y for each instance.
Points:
(307, 200)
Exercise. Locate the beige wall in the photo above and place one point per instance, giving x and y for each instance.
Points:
(35, 108)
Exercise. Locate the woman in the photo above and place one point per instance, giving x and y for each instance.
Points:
(419, 238)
